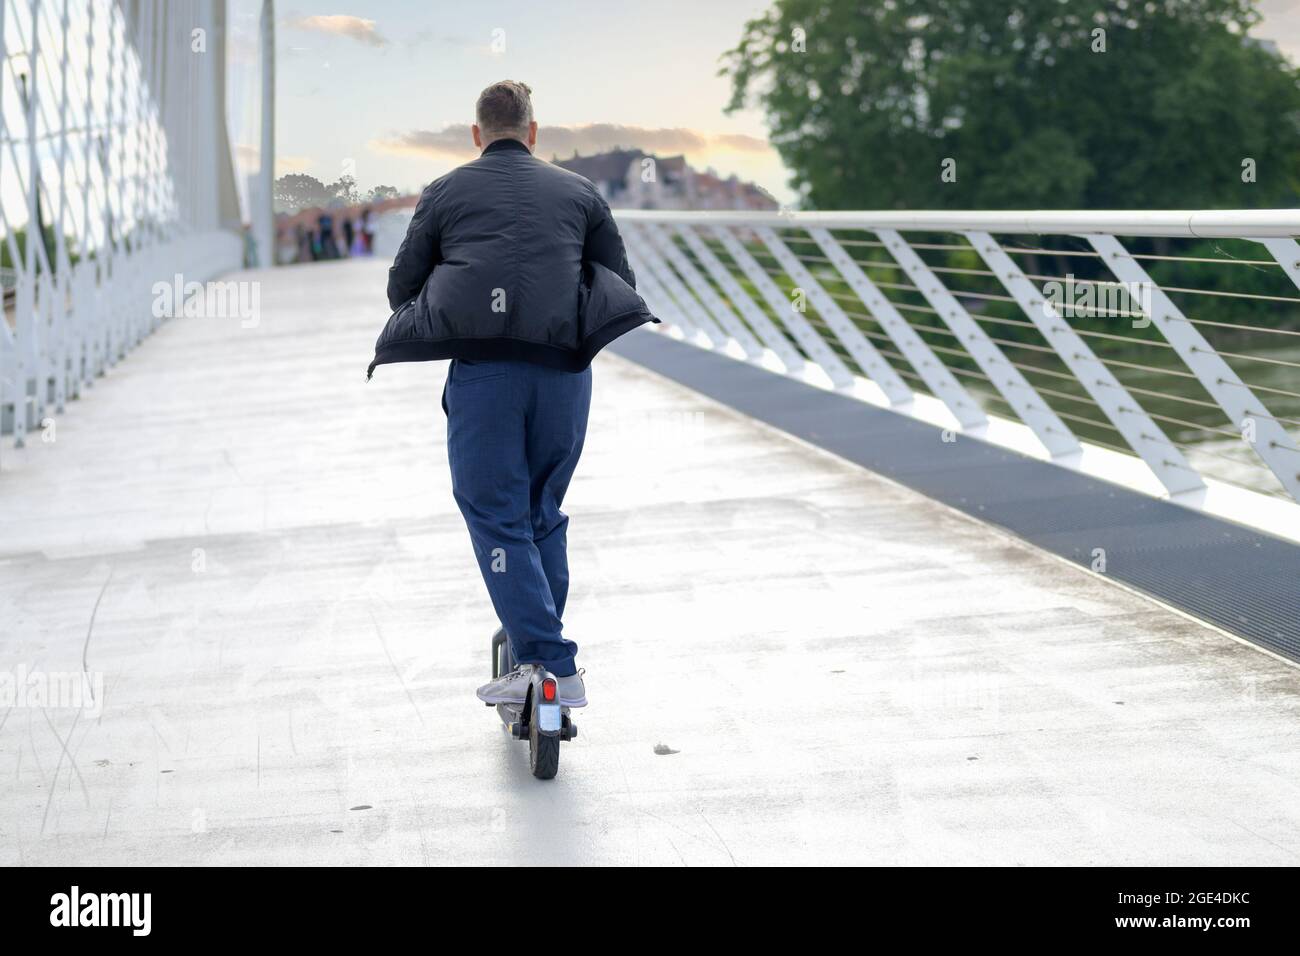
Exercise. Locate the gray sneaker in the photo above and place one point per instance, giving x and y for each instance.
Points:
(573, 692)
(511, 688)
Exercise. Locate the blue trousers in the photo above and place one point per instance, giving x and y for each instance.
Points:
(514, 435)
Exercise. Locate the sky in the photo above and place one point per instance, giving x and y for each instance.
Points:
(385, 89)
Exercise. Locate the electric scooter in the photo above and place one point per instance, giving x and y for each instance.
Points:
(540, 720)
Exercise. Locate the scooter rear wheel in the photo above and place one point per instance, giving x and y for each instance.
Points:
(543, 751)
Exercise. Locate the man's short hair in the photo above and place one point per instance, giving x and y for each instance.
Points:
(504, 111)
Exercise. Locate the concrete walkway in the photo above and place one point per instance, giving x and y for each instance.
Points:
(289, 629)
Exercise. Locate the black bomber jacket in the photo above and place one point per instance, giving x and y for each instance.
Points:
(509, 257)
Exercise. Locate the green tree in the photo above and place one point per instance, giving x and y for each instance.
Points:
(1039, 103)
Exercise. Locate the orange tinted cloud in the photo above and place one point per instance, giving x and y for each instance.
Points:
(356, 28)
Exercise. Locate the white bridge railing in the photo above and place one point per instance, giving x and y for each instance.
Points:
(115, 176)
(1171, 337)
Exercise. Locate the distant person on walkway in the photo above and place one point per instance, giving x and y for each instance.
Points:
(347, 235)
(514, 269)
(367, 234)
(328, 245)
(358, 244)
(250, 247)
(303, 241)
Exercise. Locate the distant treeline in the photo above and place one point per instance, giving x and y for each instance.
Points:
(1043, 104)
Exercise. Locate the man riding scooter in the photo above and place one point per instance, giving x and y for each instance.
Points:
(514, 269)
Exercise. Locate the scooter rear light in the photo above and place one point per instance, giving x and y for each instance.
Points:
(548, 690)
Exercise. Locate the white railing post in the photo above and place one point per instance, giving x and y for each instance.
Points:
(13, 381)
(107, 251)
(68, 357)
(696, 283)
(662, 304)
(850, 336)
(32, 337)
(756, 317)
(936, 375)
(687, 305)
(1141, 433)
(785, 309)
(1023, 398)
(87, 268)
(1287, 254)
(1267, 438)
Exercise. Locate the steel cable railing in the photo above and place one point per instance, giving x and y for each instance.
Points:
(954, 313)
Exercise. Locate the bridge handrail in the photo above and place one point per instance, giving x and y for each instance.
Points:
(1190, 224)
(842, 296)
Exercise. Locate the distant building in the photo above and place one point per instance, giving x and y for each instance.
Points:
(635, 179)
